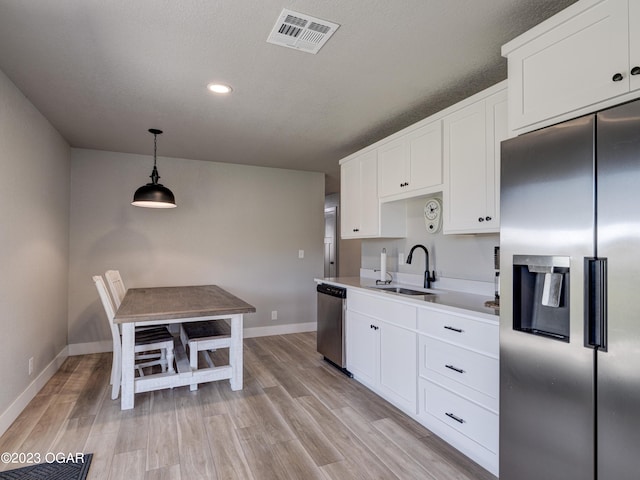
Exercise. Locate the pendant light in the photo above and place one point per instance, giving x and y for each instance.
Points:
(154, 194)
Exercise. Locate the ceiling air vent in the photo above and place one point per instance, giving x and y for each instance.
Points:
(300, 31)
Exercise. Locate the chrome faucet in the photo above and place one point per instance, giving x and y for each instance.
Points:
(428, 277)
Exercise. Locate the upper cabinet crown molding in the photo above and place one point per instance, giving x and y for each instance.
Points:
(583, 59)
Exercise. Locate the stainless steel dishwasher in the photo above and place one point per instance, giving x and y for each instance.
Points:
(331, 325)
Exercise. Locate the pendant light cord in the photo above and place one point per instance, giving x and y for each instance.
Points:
(154, 173)
(155, 148)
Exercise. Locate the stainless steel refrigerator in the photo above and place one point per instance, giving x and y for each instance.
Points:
(570, 300)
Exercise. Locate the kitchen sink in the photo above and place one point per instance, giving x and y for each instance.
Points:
(403, 291)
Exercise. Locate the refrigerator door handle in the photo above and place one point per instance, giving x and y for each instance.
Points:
(595, 298)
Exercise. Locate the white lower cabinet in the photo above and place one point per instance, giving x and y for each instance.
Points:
(439, 367)
(382, 347)
(362, 348)
(458, 384)
(455, 412)
(398, 355)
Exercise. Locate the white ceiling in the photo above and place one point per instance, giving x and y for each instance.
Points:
(104, 71)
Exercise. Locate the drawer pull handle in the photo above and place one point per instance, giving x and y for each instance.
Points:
(456, 418)
(455, 369)
(458, 330)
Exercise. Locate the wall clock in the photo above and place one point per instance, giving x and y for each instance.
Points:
(433, 215)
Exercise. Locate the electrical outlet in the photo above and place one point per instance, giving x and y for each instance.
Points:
(30, 365)
(401, 258)
(274, 315)
(300, 253)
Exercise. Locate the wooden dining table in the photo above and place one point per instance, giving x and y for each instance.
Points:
(172, 305)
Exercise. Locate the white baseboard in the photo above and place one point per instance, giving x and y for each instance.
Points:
(279, 329)
(90, 347)
(13, 411)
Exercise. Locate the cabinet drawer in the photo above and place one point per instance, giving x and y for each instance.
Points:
(464, 331)
(462, 415)
(461, 368)
(395, 313)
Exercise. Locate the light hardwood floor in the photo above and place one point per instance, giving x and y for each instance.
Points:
(296, 418)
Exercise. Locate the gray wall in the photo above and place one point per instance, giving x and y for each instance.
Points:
(34, 241)
(236, 226)
(467, 257)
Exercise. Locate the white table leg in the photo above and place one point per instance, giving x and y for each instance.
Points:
(193, 361)
(235, 352)
(128, 365)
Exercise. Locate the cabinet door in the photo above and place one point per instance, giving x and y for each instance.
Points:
(393, 159)
(362, 348)
(398, 365)
(465, 149)
(425, 158)
(497, 130)
(369, 203)
(634, 43)
(350, 199)
(570, 66)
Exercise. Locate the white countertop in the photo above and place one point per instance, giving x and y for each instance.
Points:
(446, 299)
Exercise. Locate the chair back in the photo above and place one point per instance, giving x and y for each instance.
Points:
(116, 286)
(109, 310)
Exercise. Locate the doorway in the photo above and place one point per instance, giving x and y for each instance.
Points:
(330, 242)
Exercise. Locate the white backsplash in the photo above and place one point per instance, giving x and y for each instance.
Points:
(463, 261)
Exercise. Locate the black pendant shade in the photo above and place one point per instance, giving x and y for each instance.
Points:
(154, 194)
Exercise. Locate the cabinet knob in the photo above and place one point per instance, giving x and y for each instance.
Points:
(617, 77)
(480, 219)
(635, 71)
(488, 219)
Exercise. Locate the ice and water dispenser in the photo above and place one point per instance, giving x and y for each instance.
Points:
(541, 295)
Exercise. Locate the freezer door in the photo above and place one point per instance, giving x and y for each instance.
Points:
(618, 393)
(546, 384)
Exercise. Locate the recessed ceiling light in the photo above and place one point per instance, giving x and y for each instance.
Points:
(219, 88)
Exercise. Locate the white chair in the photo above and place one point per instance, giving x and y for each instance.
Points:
(199, 336)
(116, 286)
(118, 290)
(145, 341)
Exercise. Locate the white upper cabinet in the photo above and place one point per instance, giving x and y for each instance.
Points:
(411, 162)
(362, 216)
(585, 58)
(472, 137)
(359, 216)
(456, 151)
